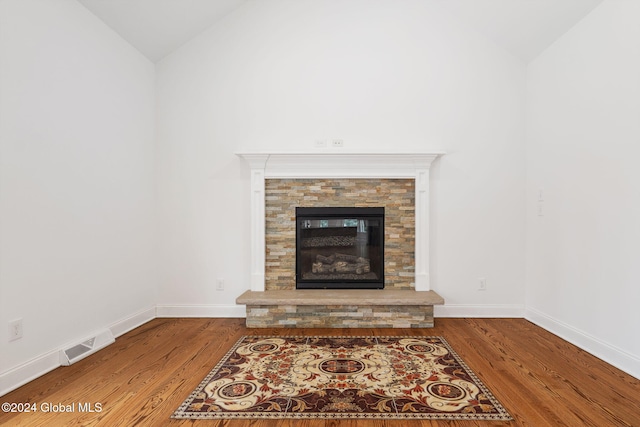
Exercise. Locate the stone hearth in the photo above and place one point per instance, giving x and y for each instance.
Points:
(346, 308)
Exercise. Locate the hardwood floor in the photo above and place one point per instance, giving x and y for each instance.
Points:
(146, 374)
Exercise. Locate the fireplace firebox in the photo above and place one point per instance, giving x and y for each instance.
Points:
(340, 248)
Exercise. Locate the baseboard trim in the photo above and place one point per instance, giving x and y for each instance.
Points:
(29, 371)
(600, 349)
(480, 311)
(39, 366)
(123, 326)
(209, 310)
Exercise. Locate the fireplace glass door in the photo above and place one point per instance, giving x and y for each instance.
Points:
(340, 248)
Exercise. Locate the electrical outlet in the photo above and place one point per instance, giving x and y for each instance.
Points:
(220, 285)
(15, 329)
(321, 143)
(482, 286)
(337, 143)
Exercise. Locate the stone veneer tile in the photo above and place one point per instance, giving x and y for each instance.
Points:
(282, 196)
(340, 317)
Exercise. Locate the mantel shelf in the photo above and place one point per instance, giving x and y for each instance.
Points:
(339, 163)
(338, 152)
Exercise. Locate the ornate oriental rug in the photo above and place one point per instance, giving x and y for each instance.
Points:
(342, 377)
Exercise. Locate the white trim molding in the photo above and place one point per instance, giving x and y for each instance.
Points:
(292, 165)
(595, 346)
(38, 366)
(479, 310)
(201, 310)
(29, 371)
(123, 326)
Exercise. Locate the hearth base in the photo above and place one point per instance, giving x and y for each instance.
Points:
(340, 309)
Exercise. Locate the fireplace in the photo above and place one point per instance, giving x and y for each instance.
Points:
(351, 178)
(340, 247)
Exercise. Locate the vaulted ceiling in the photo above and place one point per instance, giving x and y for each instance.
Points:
(523, 27)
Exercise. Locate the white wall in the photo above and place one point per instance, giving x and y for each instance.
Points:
(378, 74)
(77, 173)
(76, 181)
(583, 255)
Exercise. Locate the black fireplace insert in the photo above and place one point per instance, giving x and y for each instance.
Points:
(340, 248)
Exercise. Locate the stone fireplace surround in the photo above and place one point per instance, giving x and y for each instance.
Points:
(283, 196)
(298, 308)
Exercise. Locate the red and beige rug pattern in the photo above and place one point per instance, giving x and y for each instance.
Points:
(394, 377)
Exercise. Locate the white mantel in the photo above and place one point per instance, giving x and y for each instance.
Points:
(339, 164)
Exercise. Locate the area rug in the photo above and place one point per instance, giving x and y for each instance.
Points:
(393, 377)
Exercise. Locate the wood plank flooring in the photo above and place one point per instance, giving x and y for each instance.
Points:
(146, 374)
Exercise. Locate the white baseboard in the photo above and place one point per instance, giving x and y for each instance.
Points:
(123, 326)
(601, 349)
(210, 310)
(28, 371)
(477, 310)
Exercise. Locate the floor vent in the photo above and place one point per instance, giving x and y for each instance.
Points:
(85, 348)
